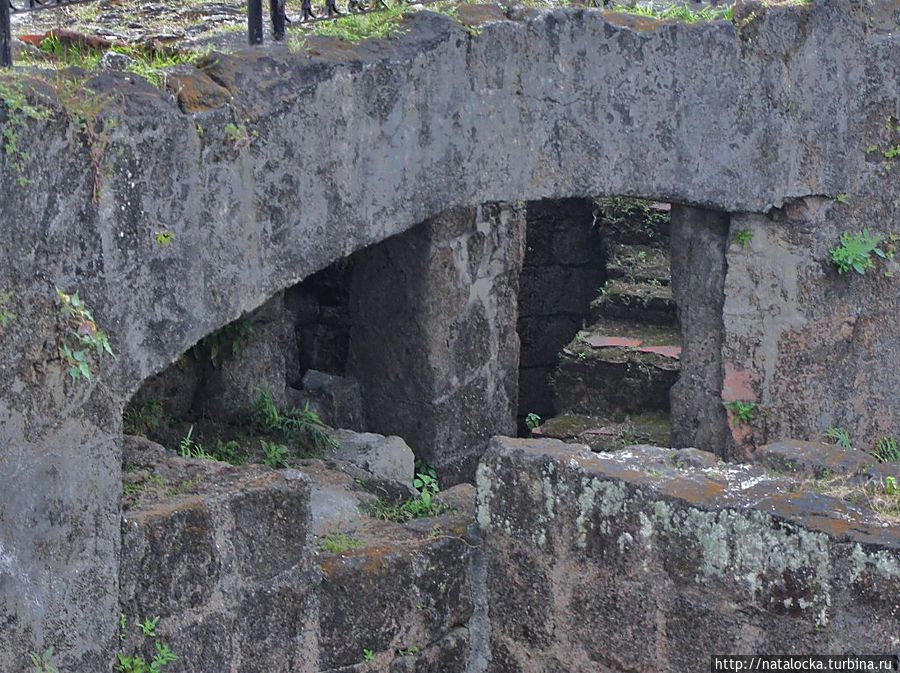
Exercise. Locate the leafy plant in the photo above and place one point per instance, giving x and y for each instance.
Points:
(406, 651)
(887, 450)
(840, 198)
(162, 657)
(275, 455)
(83, 337)
(368, 655)
(142, 418)
(232, 339)
(532, 420)
(148, 627)
(743, 237)
(890, 486)
(164, 238)
(840, 437)
(855, 252)
(744, 412)
(43, 662)
(188, 448)
(295, 424)
(338, 543)
(422, 506)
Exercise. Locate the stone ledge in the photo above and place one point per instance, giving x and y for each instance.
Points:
(627, 562)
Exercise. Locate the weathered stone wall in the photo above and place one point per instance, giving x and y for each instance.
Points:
(351, 145)
(561, 272)
(434, 342)
(651, 559)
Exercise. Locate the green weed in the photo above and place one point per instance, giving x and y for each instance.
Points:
(303, 425)
(43, 662)
(84, 339)
(274, 454)
(19, 113)
(424, 505)
(743, 237)
(6, 316)
(855, 252)
(840, 437)
(887, 450)
(744, 413)
(532, 421)
(228, 342)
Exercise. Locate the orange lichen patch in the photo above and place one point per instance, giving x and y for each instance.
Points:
(642, 23)
(702, 491)
(476, 15)
(197, 92)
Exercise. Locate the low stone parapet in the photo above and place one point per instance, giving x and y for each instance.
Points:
(652, 559)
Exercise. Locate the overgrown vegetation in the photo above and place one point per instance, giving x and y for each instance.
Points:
(18, 114)
(856, 252)
(149, 64)
(296, 425)
(635, 214)
(228, 342)
(338, 543)
(358, 27)
(142, 418)
(532, 421)
(162, 655)
(84, 341)
(422, 506)
(679, 13)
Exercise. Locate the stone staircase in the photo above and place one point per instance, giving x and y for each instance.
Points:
(611, 384)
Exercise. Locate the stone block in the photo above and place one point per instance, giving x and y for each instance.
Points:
(385, 457)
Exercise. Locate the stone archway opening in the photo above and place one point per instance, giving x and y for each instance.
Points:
(600, 335)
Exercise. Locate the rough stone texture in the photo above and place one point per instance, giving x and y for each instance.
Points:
(698, 242)
(229, 389)
(385, 457)
(434, 343)
(568, 102)
(812, 459)
(636, 561)
(225, 565)
(561, 271)
(224, 557)
(338, 397)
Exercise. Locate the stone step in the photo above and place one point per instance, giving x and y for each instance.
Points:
(603, 433)
(641, 302)
(603, 372)
(639, 264)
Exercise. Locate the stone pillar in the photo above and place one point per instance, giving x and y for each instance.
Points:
(433, 342)
(561, 272)
(699, 241)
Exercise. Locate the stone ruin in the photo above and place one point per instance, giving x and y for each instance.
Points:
(575, 262)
